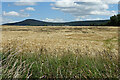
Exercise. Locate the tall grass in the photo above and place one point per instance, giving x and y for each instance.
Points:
(60, 64)
(59, 52)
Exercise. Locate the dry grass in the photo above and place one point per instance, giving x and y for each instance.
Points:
(59, 40)
(59, 37)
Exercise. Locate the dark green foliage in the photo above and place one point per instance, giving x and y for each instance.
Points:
(114, 20)
(118, 16)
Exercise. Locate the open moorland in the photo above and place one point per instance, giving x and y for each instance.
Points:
(59, 52)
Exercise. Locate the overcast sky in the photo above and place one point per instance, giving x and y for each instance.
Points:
(59, 11)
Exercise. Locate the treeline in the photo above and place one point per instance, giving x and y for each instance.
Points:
(114, 21)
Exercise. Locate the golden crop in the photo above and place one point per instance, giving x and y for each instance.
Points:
(59, 51)
(32, 38)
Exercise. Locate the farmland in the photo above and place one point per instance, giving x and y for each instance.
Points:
(59, 52)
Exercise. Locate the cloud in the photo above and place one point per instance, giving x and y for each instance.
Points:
(12, 13)
(53, 20)
(22, 10)
(95, 1)
(29, 0)
(15, 14)
(87, 18)
(30, 9)
(105, 12)
(80, 8)
(111, 1)
(105, 1)
(78, 19)
(6, 20)
(38, 0)
(24, 3)
(94, 19)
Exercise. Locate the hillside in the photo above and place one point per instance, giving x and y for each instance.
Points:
(32, 22)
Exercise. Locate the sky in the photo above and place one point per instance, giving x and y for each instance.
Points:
(58, 11)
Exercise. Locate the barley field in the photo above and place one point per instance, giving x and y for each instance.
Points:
(59, 52)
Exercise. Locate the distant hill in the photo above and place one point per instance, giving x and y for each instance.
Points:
(32, 22)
